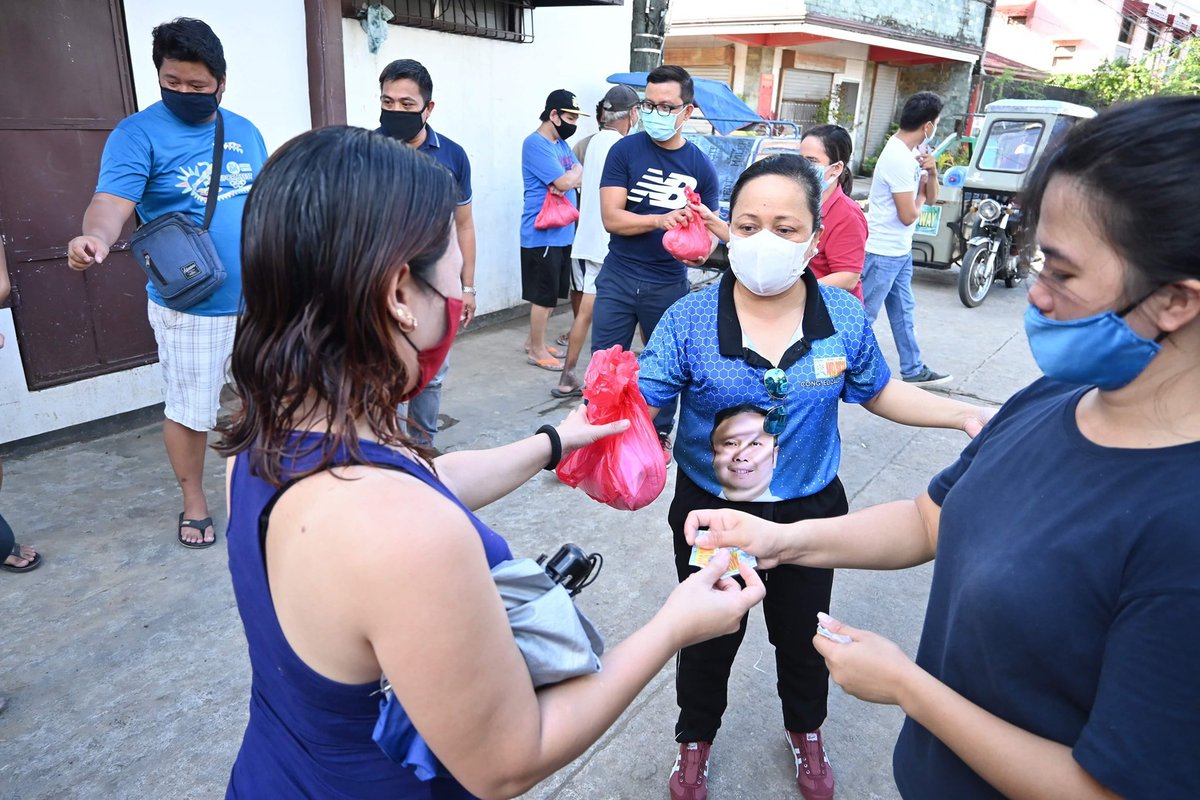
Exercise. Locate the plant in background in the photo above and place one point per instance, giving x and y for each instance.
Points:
(868, 164)
(1174, 72)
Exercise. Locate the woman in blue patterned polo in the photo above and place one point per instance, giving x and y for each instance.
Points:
(770, 346)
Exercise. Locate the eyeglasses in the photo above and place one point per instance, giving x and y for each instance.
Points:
(662, 108)
(776, 383)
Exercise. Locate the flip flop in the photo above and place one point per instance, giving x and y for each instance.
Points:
(554, 351)
(563, 340)
(199, 525)
(576, 392)
(548, 364)
(33, 564)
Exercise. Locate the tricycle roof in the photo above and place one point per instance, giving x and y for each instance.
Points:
(1039, 107)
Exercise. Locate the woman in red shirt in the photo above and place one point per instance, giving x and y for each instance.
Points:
(839, 259)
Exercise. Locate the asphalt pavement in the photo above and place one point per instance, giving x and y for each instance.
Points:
(125, 665)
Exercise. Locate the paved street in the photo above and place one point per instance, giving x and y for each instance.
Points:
(124, 658)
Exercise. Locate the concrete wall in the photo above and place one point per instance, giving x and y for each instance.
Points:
(489, 95)
(265, 53)
(268, 83)
(950, 80)
(1094, 26)
(955, 21)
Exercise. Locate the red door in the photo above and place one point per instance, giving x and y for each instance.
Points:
(66, 84)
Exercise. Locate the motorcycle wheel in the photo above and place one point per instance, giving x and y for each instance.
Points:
(974, 276)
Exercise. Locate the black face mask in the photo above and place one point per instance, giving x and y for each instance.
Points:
(191, 107)
(565, 130)
(402, 125)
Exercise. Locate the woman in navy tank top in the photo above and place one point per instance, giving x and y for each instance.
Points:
(337, 521)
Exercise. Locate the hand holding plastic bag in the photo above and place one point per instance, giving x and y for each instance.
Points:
(557, 212)
(626, 470)
(689, 241)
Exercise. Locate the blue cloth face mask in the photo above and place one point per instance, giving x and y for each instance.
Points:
(1101, 350)
(660, 126)
(191, 107)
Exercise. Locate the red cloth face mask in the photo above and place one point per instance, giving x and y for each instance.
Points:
(431, 359)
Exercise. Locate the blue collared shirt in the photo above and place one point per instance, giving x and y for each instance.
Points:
(699, 353)
(449, 154)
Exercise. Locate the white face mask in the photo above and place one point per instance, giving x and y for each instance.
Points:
(767, 264)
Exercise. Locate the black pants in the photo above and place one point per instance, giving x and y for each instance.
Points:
(794, 596)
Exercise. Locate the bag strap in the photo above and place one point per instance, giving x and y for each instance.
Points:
(214, 178)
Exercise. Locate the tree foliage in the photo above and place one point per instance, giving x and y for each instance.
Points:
(1175, 70)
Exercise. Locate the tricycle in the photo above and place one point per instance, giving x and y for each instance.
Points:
(976, 222)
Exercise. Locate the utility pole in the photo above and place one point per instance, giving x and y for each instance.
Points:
(649, 32)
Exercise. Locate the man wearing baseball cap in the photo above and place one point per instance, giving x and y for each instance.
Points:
(616, 116)
(548, 166)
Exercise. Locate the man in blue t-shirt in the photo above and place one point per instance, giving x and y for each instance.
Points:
(548, 167)
(158, 161)
(642, 197)
(405, 103)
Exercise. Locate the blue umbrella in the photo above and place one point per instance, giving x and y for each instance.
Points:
(720, 105)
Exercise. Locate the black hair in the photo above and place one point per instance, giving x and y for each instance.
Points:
(922, 107)
(332, 218)
(733, 411)
(788, 165)
(1107, 158)
(672, 72)
(838, 146)
(187, 39)
(408, 69)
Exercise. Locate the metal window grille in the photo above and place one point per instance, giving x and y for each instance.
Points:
(506, 20)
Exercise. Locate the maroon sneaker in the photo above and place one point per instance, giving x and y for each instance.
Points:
(814, 775)
(689, 778)
(665, 440)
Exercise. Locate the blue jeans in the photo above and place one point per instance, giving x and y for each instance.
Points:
(422, 410)
(623, 303)
(887, 283)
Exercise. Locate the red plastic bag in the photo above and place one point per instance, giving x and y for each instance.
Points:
(626, 471)
(689, 241)
(557, 212)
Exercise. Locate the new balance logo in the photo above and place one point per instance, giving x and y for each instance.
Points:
(662, 192)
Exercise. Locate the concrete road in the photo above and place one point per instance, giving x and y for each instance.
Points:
(124, 660)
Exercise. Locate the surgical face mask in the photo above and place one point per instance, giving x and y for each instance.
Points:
(767, 264)
(191, 107)
(660, 126)
(402, 125)
(927, 145)
(826, 182)
(1100, 350)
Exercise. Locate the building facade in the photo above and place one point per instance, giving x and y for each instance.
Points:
(78, 346)
(850, 61)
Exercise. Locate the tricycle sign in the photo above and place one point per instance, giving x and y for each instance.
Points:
(929, 220)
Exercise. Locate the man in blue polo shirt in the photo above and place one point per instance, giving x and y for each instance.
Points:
(406, 102)
(641, 198)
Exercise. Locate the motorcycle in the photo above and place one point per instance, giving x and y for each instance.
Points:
(982, 197)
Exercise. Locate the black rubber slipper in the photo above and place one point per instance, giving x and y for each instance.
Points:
(33, 564)
(199, 525)
(576, 392)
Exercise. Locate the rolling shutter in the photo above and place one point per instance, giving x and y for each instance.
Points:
(716, 72)
(883, 106)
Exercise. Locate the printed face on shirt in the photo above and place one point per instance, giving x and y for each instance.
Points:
(744, 455)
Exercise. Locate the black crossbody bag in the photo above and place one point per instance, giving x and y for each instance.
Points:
(179, 259)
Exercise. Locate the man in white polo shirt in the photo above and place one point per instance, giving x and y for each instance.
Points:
(905, 179)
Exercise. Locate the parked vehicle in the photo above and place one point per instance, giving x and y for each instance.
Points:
(976, 224)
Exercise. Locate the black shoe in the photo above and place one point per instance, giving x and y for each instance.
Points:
(928, 377)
